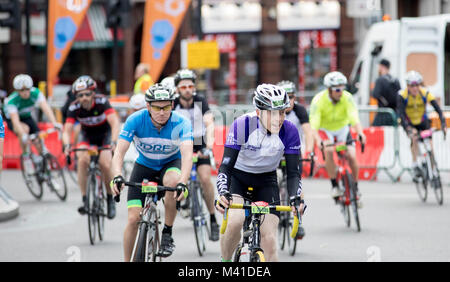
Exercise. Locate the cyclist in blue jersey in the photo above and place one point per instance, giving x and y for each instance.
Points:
(164, 142)
(255, 144)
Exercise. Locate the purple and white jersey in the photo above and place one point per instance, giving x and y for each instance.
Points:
(261, 151)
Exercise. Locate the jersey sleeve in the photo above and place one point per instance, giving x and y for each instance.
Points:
(290, 138)
(2, 128)
(301, 113)
(352, 110)
(186, 133)
(314, 115)
(238, 133)
(108, 108)
(430, 97)
(129, 128)
(40, 98)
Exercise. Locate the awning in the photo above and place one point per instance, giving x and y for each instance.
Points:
(91, 34)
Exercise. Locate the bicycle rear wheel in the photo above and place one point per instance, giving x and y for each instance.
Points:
(29, 174)
(199, 220)
(422, 183)
(91, 198)
(56, 180)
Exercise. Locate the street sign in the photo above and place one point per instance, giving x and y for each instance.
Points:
(200, 54)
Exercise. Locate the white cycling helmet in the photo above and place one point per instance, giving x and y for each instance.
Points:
(22, 81)
(137, 101)
(413, 78)
(169, 82)
(334, 78)
(270, 97)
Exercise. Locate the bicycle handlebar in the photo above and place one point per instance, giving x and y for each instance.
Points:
(349, 142)
(45, 133)
(255, 209)
(312, 164)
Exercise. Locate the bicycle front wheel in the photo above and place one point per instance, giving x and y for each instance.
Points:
(29, 174)
(258, 256)
(91, 198)
(422, 183)
(345, 209)
(436, 181)
(101, 208)
(199, 220)
(56, 180)
(292, 242)
(140, 245)
(354, 201)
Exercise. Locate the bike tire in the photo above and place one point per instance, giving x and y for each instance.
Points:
(436, 182)
(342, 201)
(140, 247)
(31, 179)
(258, 256)
(101, 208)
(91, 199)
(56, 172)
(282, 231)
(292, 242)
(72, 170)
(421, 184)
(353, 201)
(153, 236)
(199, 220)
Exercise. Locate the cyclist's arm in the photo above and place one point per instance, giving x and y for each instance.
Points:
(293, 169)
(309, 137)
(67, 130)
(117, 159)
(186, 150)
(114, 123)
(229, 159)
(15, 120)
(45, 107)
(439, 111)
(208, 119)
(401, 112)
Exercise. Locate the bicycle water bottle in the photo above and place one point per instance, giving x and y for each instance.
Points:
(28, 163)
(245, 254)
(194, 172)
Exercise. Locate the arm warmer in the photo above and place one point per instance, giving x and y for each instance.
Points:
(224, 174)
(293, 170)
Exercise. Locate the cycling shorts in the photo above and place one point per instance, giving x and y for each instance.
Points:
(265, 187)
(100, 139)
(28, 121)
(424, 125)
(201, 161)
(140, 172)
(338, 136)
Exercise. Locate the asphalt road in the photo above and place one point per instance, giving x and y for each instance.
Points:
(396, 226)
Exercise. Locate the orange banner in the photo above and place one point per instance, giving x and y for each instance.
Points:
(162, 20)
(64, 18)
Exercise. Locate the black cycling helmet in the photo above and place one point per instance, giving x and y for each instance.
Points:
(159, 92)
(184, 74)
(84, 82)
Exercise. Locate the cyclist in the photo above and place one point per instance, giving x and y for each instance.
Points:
(164, 141)
(137, 102)
(196, 109)
(411, 107)
(19, 106)
(333, 111)
(99, 127)
(255, 144)
(297, 114)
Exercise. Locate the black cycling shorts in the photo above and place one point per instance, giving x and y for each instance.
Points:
(424, 125)
(28, 121)
(100, 139)
(201, 161)
(265, 186)
(140, 172)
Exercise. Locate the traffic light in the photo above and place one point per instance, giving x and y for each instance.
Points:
(12, 8)
(117, 13)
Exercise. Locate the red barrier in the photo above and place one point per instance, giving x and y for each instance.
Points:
(12, 150)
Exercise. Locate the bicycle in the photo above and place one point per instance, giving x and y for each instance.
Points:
(95, 194)
(42, 167)
(349, 197)
(429, 172)
(287, 219)
(147, 244)
(249, 249)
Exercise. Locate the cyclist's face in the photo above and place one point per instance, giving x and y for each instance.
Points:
(272, 120)
(85, 98)
(24, 93)
(291, 101)
(413, 89)
(160, 110)
(336, 92)
(186, 88)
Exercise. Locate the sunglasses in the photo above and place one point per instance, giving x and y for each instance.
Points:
(24, 89)
(184, 87)
(158, 109)
(80, 95)
(291, 97)
(412, 84)
(337, 89)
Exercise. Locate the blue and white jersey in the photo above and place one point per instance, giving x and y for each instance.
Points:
(261, 152)
(156, 147)
(2, 127)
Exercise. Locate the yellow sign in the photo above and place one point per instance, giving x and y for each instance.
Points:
(203, 54)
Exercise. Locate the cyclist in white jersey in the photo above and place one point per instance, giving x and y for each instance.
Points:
(164, 142)
(255, 145)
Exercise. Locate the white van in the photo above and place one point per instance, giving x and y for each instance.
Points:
(421, 44)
